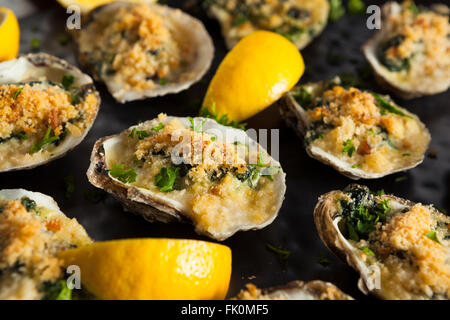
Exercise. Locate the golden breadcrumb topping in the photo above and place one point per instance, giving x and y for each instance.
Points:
(29, 242)
(32, 109)
(135, 47)
(350, 124)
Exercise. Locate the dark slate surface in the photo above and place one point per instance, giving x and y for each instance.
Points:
(336, 51)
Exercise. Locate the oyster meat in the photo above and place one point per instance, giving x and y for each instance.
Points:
(193, 169)
(47, 107)
(400, 248)
(298, 20)
(359, 133)
(143, 50)
(410, 54)
(295, 290)
(33, 231)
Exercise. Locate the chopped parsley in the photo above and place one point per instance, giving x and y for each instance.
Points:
(57, 290)
(16, 94)
(281, 252)
(220, 118)
(400, 179)
(166, 177)
(69, 184)
(337, 10)
(46, 140)
(359, 165)
(388, 107)
(140, 134)
(28, 203)
(356, 7)
(406, 154)
(35, 44)
(367, 251)
(119, 172)
(163, 81)
(193, 127)
(415, 10)
(348, 148)
(239, 20)
(158, 128)
(67, 81)
(303, 97)
(432, 236)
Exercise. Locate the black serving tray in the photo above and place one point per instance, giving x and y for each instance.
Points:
(336, 51)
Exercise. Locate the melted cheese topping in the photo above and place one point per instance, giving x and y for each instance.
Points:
(220, 190)
(298, 20)
(29, 242)
(424, 41)
(133, 46)
(412, 265)
(26, 113)
(350, 118)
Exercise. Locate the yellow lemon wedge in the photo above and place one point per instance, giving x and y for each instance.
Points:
(254, 74)
(153, 269)
(88, 5)
(9, 35)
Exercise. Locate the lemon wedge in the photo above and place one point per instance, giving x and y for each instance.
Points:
(153, 269)
(9, 35)
(254, 74)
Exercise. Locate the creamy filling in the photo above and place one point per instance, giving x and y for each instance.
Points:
(215, 184)
(365, 130)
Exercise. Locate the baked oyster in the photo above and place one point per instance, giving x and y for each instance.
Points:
(359, 133)
(47, 107)
(143, 50)
(295, 290)
(410, 54)
(32, 232)
(400, 248)
(190, 169)
(298, 20)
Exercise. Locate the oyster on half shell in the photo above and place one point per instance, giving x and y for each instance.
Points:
(190, 169)
(400, 248)
(295, 290)
(34, 231)
(47, 107)
(298, 20)
(359, 133)
(143, 50)
(410, 54)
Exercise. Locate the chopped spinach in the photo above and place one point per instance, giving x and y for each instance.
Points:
(303, 97)
(67, 81)
(57, 290)
(28, 203)
(393, 65)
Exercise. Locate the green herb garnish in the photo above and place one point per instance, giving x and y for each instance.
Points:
(222, 119)
(69, 183)
(388, 107)
(163, 81)
(415, 10)
(16, 94)
(356, 7)
(140, 134)
(348, 148)
(46, 140)
(337, 10)
(57, 291)
(282, 253)
(166, 177)
(303, 97)
(67, 81)
(28, 203)
(367, 251)
(193, 127)
(400, 179)
(432, 235)
(119, 172)
(35, 44)
(239, 20)
(158, 128)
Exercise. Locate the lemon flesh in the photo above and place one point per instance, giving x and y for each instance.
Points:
(148, 269)
(9, 35)
(254, 74)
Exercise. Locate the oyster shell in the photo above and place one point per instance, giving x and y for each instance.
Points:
(188, 54)
(34, 231)
(43, 71)
(315, 132)
(386, 253)
(410, 77)
(295, 290)
(245, 202)
(302, 19)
